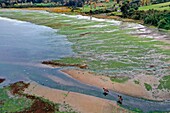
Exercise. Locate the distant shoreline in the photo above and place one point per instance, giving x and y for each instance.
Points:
(66, 10)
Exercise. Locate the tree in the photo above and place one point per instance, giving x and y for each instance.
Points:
(125, 8)
(128, 8)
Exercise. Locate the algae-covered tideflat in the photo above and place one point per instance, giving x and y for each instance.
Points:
(125, 57)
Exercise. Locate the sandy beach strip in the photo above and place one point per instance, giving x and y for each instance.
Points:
(128, 88)
(79, 102)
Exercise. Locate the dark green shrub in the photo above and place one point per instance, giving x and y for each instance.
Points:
(161, 19)
(164, 24)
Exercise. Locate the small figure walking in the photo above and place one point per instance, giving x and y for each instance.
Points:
(106, 91)
(120, 99)
(91, 14)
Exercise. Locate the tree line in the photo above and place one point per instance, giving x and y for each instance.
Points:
(160, 19)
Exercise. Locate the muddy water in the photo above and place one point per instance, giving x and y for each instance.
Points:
(24, 45)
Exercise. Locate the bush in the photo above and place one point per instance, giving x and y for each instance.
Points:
(164, 24)
(148, 87)
(161, 19)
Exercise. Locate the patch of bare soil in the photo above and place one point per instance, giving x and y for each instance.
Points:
(80, 28)
(82, 66)
(84, 34)
(38, 106)
(18, 87)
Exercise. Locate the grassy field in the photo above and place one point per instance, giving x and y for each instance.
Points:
(104, 46)
(161, 6)
(12, 104)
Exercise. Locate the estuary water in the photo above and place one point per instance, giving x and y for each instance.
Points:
(23, 46)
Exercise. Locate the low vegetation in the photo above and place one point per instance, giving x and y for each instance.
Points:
(136, 82)
(119, 79)
(164, 83)
(69, 60)
(148, 86)
(8, 103)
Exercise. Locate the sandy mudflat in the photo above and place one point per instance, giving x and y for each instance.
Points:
(79, 102)
(129, 87)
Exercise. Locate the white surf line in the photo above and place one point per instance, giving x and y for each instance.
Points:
(115, 22)
(26, 23)
(11, 20)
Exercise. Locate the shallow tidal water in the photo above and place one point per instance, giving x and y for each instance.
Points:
(23, 46)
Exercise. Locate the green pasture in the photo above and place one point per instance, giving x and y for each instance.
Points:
(161, 6)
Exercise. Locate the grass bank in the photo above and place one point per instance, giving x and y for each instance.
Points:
(161, 6)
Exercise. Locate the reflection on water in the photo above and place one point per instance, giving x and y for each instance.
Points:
(26, 42)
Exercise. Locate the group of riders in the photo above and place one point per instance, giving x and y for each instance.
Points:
(106, 92)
